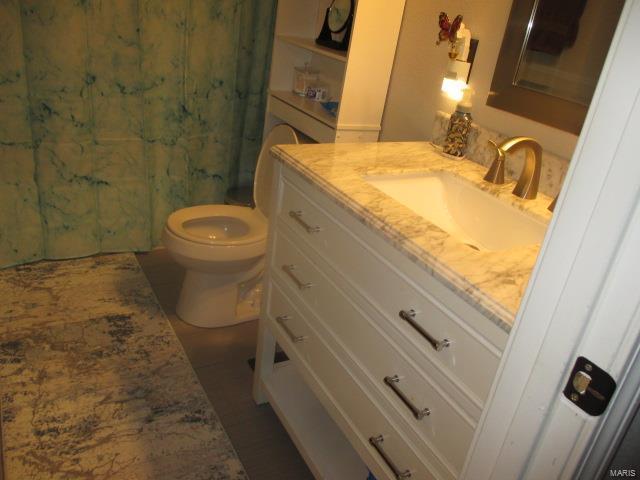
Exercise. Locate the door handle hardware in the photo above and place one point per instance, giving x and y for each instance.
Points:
(282, 321)
(409, 316)
(376, 442)
(392, 383)
(288, 269)
(297, 216)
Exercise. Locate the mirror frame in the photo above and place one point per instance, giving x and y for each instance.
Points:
(346, 20)
(505, 95)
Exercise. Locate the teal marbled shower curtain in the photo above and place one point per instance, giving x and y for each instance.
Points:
(114, 113)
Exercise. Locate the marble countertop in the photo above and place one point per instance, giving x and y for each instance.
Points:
(491, 281)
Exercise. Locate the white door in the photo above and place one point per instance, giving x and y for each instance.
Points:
(583, 296)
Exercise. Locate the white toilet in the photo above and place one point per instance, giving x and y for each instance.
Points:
(222, 247)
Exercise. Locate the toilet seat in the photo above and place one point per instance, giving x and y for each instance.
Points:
(224, 225)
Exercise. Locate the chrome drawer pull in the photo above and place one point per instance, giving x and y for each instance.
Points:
(377, 444)
(392, 382)
(297, 216)
(410, 317)
(282, 321)
(288, 269)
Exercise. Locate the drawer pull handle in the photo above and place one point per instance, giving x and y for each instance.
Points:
(282, 321)
(377, 444)
(409, 316)
(288, 269)
(392, 382)
(297, 216)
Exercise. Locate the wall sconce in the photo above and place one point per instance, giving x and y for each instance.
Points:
(462, 52)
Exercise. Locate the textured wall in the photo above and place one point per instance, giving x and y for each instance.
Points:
(113, 113)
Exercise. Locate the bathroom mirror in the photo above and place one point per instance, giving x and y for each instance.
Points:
(551, 57)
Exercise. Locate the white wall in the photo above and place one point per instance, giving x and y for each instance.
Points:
(414, 92)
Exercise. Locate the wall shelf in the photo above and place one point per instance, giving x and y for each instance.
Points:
(358, 79)
(310, 44)
(305, 105)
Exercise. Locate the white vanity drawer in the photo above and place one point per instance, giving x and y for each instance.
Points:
(394, 379)
(470, 361)
(358, 415)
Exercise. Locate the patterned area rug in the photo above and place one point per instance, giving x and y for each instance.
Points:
(94, 382)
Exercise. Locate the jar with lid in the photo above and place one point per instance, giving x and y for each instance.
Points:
(303, 78)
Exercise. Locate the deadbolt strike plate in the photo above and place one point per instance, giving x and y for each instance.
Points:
(589, 387)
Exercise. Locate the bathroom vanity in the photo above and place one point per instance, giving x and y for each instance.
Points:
(394, 321)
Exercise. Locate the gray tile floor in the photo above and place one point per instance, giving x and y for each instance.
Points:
(219, 357)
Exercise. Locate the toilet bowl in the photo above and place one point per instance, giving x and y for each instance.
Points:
(222, 247)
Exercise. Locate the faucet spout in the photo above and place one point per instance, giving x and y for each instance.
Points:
(527, 185)
(495, 174)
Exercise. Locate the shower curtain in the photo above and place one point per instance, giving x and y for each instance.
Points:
(114, 113)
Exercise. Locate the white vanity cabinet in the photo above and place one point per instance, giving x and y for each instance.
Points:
(388, 367)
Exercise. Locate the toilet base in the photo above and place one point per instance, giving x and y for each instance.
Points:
(211, 300)
(249, 297)
(246, 312)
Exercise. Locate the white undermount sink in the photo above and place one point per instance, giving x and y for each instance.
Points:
(472, 216)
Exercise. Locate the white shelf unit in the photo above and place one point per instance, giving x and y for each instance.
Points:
(358, 79)
(325, 449)
(311, 45)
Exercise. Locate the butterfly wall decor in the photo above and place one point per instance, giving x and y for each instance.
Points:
(448, 29)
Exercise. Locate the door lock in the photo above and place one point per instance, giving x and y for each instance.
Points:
(589, 387)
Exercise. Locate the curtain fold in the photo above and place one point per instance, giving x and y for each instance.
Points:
(114, 113)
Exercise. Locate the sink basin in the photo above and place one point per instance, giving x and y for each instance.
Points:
(467, 213)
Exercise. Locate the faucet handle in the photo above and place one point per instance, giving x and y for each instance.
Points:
(495, 174)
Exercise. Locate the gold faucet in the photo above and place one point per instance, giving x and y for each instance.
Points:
(527, 186)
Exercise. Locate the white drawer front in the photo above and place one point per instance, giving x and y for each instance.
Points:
(469, 359)
(360, 416)
(446, 430)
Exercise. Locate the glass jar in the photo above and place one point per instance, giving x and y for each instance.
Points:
(303, 78)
